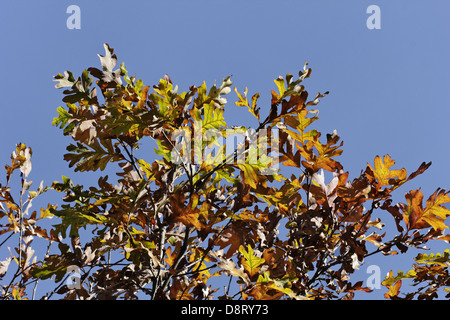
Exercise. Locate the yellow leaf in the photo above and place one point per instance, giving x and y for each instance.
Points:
(250, 262)
(47, 212)
(250, 174)
(382, 173)
(394, 290)
(280, 85)
(242, 101)
(17, 294)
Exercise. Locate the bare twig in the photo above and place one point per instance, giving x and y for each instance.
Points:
(178, 258)
(37, 280)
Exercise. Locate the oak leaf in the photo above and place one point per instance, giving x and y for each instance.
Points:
(251, 262)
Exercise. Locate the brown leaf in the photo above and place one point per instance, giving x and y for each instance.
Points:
(349, 296)
(230, 237)
(20, 159)
(230, 268)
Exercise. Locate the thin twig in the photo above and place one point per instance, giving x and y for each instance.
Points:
(211, 245)
(178, 258)
(37, 280)
(12, 233)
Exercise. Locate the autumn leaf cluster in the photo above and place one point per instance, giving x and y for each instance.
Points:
(166, 228)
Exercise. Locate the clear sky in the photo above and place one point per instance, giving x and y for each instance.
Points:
(389, 87)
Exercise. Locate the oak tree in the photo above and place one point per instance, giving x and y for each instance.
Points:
(276, 218)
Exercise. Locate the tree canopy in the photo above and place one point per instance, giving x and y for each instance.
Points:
(261, 216)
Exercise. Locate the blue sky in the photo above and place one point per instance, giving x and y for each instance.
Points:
(389, 88)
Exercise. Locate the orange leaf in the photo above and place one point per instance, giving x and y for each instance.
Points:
(393, 290)
(435, 202)
(189, 214)
(170, 257)
(190, 219)
(432, 216)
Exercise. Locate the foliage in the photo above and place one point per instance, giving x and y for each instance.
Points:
(167, 228)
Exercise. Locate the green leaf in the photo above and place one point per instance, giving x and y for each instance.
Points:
(63, 118)
(47, 271)
(69, 218)
(148, 244)
(390, 279)
(225, 173)
(213, 117)
(80, 88)
(85, 159)
(163, 150)
(431, 259)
